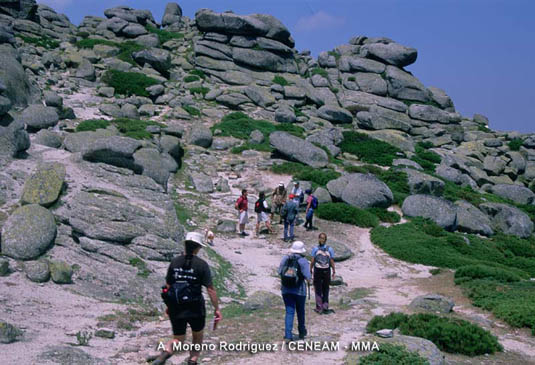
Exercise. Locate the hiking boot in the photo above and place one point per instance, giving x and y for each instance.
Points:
(303, 334)
(294, 338)
(160, 360)
(319, 311)
(244, 234)
(327, 311)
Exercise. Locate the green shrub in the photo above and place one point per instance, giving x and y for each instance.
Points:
(192, 110)
(197, 72)
(345, 213)
(82, 34)
(390, 321)
(389, 354)
(426, 159)
(125, 48)
(164, 35)
(199, 90)
(483, 271)
(44, 41)
(335, 54)
(319, 71)
(134, 128)
(288, 168)
(128, 83)
(368, 149)
(352, 78)
(515, 144)
(451, 335)
(483, 128)
(397, 181)
(92, 125)
(89, 43)
(239, 125)
(298, 112)
(335, 90)
(141, 266)
(280, 80)
(320, 177)
(364, 169)
(191, 78)
(385, 215)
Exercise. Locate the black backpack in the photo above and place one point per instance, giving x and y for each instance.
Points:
(291, 275)
(259, 206)
(322, 259)
(182, 291)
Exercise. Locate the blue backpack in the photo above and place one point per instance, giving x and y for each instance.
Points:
(314, 203)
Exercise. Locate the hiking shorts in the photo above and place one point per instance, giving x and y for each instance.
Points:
(179, 325)
(243, 217)
(262, 217)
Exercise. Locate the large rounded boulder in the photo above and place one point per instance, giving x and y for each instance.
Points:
(440, 211)
(508, 219)
(28, 232)
(361, 190)
(298, 149)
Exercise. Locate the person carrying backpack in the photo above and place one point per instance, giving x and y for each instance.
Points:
(289, 214)
(299, 196)
(321, 265)
(182, 294)
(294, 271)
(242, 206)
(261, 209)
(312, 204)
(278, 198)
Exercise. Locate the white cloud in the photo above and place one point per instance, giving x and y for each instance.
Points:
(318, 21)
(56, 4)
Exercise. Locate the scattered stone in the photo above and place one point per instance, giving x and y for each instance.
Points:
(37, 271)
(508, 219)
(361, 190)
(202, 182)
(105, 333)
(53, 99)
(226, 226)
(421, 183)
(44, 186)
(60, 272)
(261, 300)
(439, 210)
(285, 114)
(298, 149)
(37, 116)
(4, 267)
(385, 333)
(472, 220)
(391, 53)
(9, 333)
(518, 194)
(433, 303)
(335, 114)
(201, 136)
(28, 232)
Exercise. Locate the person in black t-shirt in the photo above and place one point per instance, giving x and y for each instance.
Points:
(194, 270)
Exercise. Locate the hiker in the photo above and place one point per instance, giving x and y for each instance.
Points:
(312, 204)
(299, 197)
(185, 276)
(278, 198)
(294, 271)
(289, 214)
(321, 265)
(261, 209)
(242, 206)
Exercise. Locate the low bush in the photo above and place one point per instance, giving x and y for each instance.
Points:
(134, 128)
(199, 90)
(389, 354)
(125, 48)
(480, 271)
(197, 72)
(345, 213)
(320, 177)
(194, 112)
(385, 215)
(351, 78)
(368, 149)
(92, 125)
(319, 71)
(128, 83)
(397, 181)
(280, 80)
(515, 144)
(425, 158)
(44, 41)
(164, 35)
(191, 78)
(364, 169)
(239, 125)
(390, 321)
(288, 168)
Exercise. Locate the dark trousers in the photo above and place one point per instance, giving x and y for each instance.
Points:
(309, 216)
(322, 280)
(294, 303)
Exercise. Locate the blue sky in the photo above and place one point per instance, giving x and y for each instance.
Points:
(478, 51)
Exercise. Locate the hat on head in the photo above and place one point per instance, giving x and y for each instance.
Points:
(296, 182)
(195, 237)
(298, 247)
(281, 184)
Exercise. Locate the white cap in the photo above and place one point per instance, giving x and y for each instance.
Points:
(195, 237)
(296, 182)
(281, 183)
(298, 247)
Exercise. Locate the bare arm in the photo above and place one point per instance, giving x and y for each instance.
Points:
(215, 302)
(332, 265)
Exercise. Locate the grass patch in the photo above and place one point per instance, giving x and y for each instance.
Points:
(128, 83)
(319, 71)
(351, 78)
(298, 112)
(449, 334)
(389, 354)
(44, 41)
(191, 78)
(280, 81)
(425, 158)
(385, 215)
(164, 35)
(194, 112)
(368, 149)
(359, 293)
(182, 214)
(197, 72)
(483, 128)
(223, 276)
(480, 271)
(345, 213)
(515, 144)
(92, 125)
(125, 48)
(302, 172)
(199, 90)
(335, 54)
(141, 266)
(335, 90)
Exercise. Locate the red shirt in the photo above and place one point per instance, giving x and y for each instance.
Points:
(242, 203)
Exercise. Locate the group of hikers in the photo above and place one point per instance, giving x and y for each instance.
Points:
(187, 274)
(286, 205)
